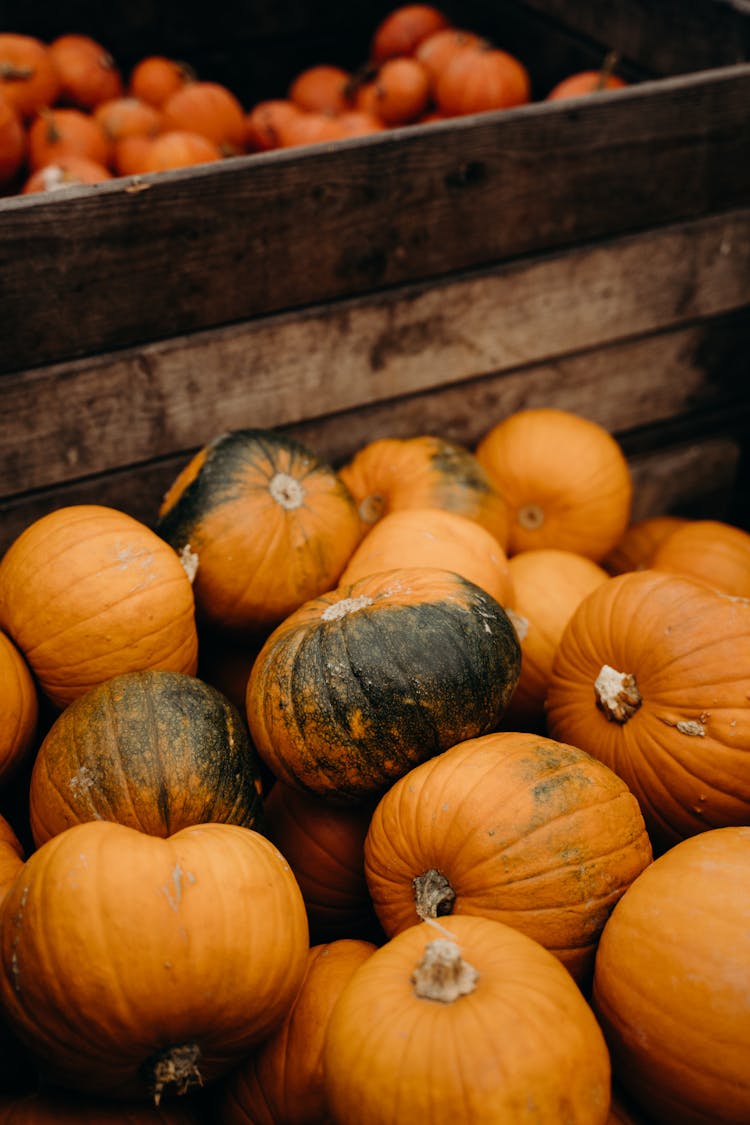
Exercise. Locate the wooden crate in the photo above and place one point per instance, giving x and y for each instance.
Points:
(591, 255)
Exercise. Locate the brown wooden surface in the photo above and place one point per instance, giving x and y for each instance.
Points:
(98, 268)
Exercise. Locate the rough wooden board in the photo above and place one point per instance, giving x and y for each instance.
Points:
(70, 421)
(102, 267)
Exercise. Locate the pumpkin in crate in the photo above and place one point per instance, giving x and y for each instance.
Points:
(357, 686)
(59, 1108)
(671, 983)
(19, 708)
(548, 585)
(87, 592)
(635, 549)
(389, 474)
(480, 77)
(473, 1022)
(652, 676)
(135, 967)
(710, 551)
(265, 523)
(511, 826)
(11, 856)
(324, 846)
(433, 537)
(153, 750)
(401, 31)
(282, 1081)
(565, 480)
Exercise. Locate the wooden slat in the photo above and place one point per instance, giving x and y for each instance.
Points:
(92, 269)
(69, 421)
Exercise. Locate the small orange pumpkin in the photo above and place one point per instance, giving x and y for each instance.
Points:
(66, 171)
(174, 148)
(322, 89)
(438, 49)
(398, 94)
(127, 117)
(154, 78)
(210, 109)
(64, 131)
(480, 77)
(404, 28)
(263, 123)
(585, 82)
(29, 80)
(19, 708)
(638, 543)
(710, 551)
(87, 71)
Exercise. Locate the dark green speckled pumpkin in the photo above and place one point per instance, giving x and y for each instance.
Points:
(153, 750)
(362, 683)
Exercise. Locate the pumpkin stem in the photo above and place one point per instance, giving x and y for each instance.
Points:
(530, 517)
(442, 974)
(433, 895)
(174, 1066)
(372, 507)
(286, 491)
(617, 694)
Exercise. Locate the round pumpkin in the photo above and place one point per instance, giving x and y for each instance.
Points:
(711, 551)
(11, 856)
(479, 77)
(433, 537)
(19, 708)
(134, 966)
(474, 1023)
(324, 846)
(401, 31)
(266, 524)
(564, 478)
(59, 1108)
(153, 750)
(638, 543)
(87, 592)
(548, 585)
(282, 1081)
(510, 826)
(357, 686)
(388, 474)
(651, 677)
(671, 983)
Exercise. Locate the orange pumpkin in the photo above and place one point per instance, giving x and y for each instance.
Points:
(710, 551)
(283, 1079)
(480, 77)
(388, 474)
(267, 523)
(548, 585)
(474, 1023)
(88, 74)
(308, 128)
(585, 82)
(360, 684)
(321, 89)
(514, 827)
(28, 76)
(263, 123)
(638, 543)
(565, 480)
(438, 49)
(87, 592)
(133, 966)
(59, 1108)
(174, 148)
(433, 537)
(127, 117)
(651, 677)
(66, 171)
(398, 94)
(154, 78)
(11, 858)
(60, 132)
(209, 109)
(402, 30)
(670, 986)
(19, 708)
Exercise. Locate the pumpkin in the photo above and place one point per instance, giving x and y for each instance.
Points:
(88, 592)
(308, 128)
(209, 109)
(433, 537)
(476, 1023)
(66, 171)
(438, 49)
(671, 983)
(651, 676)
(59, 1108)
(480, 77)
(127, 117)
(154, 750)
(548, 585)
(12, 142)
(638, 543)
(11, 856)
(321, 89)
(19, 708)
(28, 76)
(388, 474)
(155, 77)
(585, 82)
(88, 74)
(711, 551)
(402, 30)
(174, 148)
(511, 826)
(132, 965)
(267, 524)
(282, 1081)
(399, 92)
(357, 686)
(564, 478)
(61, 132)
(263, 123)
(324, 846)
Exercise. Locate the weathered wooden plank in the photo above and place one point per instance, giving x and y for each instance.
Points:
(80, 419)
(93, 269)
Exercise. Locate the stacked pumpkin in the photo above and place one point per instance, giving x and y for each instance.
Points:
(420, 799)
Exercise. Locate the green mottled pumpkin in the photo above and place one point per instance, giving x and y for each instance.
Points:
(361, 684)
(152, 750)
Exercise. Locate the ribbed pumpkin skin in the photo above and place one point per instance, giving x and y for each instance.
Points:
(523, 1046)
(710, 551)
(671, 983)
(283, 1080)
(59, 1109)
(117, 946)
(527, 831)
(359, 685)
(88, 592)
(683, 749)
(19, 708)
(389, 474)
(11, 856)
(268, 524)
(154, 750)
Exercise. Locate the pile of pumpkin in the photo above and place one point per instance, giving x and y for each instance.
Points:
(69, 115)
(416, 788)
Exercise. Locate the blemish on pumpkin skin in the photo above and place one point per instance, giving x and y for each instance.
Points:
(174, 899)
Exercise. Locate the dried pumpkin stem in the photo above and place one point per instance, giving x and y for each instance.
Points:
(442, 974)
(175, 1067)
(617, 694)
(286, 491)
(433, 895)
(530, 517)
